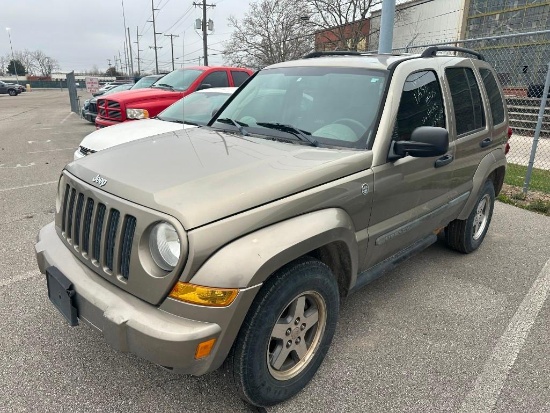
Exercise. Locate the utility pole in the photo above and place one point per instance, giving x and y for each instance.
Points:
(109, 62)
(131, 58)
(386, 26)
(120, 60)
(125, 53)
(138, 50)
(204, 28)
(171, 36)
(155, 38)
(116, 70)
(126, 42)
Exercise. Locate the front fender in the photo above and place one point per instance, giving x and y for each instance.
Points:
(250, 260)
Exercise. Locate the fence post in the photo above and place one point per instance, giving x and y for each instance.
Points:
(537, 132)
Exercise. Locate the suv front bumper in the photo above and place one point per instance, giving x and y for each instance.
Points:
(133, 325)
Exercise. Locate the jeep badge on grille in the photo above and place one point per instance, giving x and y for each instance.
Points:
(99, 180)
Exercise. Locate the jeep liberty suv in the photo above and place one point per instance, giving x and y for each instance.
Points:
(237, 241)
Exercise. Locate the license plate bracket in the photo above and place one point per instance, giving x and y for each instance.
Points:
(61, 294)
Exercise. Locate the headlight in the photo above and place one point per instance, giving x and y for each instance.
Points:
(137, 113)
(165, 247)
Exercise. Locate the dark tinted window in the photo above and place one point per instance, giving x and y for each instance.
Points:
(495, 98)
(467, 103)
(216, 79)
(239, 77)
(421, 105)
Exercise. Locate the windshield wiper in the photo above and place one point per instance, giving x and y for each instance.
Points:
(302, 135)
(237, 124)
(165, 85)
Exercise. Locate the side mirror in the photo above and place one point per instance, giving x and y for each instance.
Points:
(426, 141)
(204, 86)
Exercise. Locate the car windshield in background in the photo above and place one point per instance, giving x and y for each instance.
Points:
(145, 82)
(119, 88)
(178, 80)
(195, 109)
(331, 105)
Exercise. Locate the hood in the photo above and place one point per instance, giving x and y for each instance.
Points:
(128, 131)
(140, 95)
(201, 175)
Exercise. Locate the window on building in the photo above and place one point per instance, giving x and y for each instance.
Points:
(467, 103)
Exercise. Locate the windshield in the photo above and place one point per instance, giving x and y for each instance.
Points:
(179, 79)
(145, 82)
(196, 108)
(332, 105)
(119, 88)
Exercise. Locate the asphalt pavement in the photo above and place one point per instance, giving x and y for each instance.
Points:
(445, 332)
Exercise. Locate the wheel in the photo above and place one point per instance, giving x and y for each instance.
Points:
(357, 126)
(467, 235)
(12, 92)
(286, 333)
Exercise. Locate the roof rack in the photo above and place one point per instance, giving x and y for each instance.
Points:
(333, 53)
(432, 51)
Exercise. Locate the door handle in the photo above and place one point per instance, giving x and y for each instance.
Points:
(444, 160)
(485, 142)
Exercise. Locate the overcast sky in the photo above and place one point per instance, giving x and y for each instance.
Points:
(80, 34)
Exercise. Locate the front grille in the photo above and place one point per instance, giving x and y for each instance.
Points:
(109, 109)
(88, 224)
(92, 107)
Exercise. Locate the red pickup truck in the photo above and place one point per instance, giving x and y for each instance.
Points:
(147, 103)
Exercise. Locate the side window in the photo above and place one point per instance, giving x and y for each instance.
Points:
(495, 98)
(216, 79)
(467, 103)
(421, 105)
(239, 77)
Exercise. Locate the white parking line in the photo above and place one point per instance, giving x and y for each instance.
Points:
(26, 186)
(487, 388)
(20, 277)
(54, 150)
(66, 117)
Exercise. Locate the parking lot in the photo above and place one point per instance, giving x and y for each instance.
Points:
(444, 332)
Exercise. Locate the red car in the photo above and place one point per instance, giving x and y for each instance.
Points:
(147, 103)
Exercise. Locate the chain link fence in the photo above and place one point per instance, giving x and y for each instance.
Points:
(522, 63)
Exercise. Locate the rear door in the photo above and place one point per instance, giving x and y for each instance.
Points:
(470, 125)
(3, 88)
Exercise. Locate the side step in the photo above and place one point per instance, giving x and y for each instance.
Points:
(373, 273)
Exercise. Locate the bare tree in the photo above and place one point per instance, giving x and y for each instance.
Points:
(46, 65)
(342, 23)
(26, 58)
(272, 31)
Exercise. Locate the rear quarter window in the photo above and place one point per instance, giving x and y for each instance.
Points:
(495, 98)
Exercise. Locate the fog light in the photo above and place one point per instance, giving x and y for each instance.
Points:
(196, 294)
(204, 348)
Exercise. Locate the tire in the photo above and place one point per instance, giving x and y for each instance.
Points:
(467, 235)
(270, 363)
(12, 92)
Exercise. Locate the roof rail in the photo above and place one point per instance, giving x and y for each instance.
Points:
(333, 53)
(432, 51)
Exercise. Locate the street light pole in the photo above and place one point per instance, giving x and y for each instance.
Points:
(12, 56)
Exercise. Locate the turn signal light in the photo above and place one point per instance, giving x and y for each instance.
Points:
(204, 348)
(209, 296)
